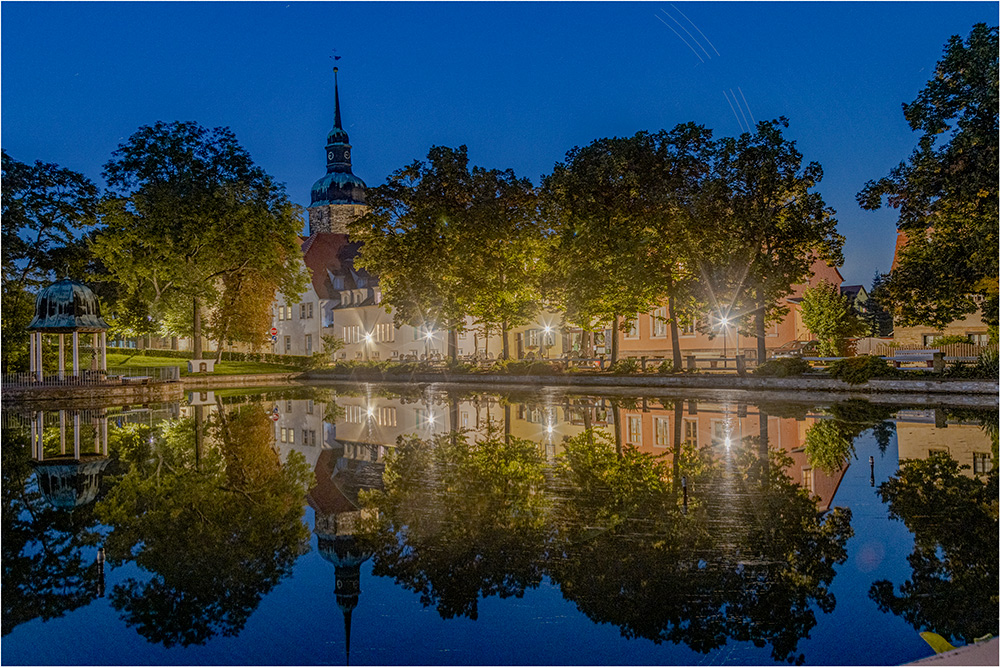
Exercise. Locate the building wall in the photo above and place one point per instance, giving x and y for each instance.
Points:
(294, 325)
(971, 326)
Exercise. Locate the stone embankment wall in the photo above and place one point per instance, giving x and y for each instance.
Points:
(227, 381)
(94, 396)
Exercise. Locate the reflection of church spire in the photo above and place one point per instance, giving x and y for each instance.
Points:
(347, 633)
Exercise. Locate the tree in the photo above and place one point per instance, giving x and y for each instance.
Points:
(775, 225)
(953, 586)
(189, 212)
(603, 252)
(946, 192)
(45, 209)
(877, 317)
(446, 240)
(213, 531)
(831, 317)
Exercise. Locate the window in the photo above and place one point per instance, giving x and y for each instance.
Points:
(930, 338)
(691, 432)
(309, 344)
(634, 435)
(288, 406)
(465, 419)
(385, 333)
(688, 329)
(531, 337)
(288, 344)
(288, 312)
(291, 436)
(719, 432)
(807, 479)
(352, 334)
(284, 435)
(308, 438)
(386, 416)
(632, 330)
(281, 313)
(982, 463)
(659, 325)
(979, 338)
(661, 429)
(309, 406)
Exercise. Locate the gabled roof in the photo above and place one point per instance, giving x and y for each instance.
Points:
(330, 256)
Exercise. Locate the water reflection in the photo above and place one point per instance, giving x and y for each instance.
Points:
(677, 520)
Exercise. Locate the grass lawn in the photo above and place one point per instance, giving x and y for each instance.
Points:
(118, 360)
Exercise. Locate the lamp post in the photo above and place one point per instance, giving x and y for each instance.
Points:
(427, 344)
(368, 342)
(724, 323)
(543, 348)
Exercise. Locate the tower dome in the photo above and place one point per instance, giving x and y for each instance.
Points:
(340, 185)
(66, 306)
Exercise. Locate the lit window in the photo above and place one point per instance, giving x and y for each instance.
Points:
(982, 463)
(632, 329)
(661, 427)
(807, 479)
(688, 329)
(691, 432)
(634, 436)
(659, 326)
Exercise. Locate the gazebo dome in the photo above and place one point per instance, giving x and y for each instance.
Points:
(66, 306)
(70, 484)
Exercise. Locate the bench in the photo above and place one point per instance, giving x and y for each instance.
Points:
(916, 356)
(136, 379)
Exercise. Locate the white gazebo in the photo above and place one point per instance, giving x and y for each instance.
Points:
(67, 307)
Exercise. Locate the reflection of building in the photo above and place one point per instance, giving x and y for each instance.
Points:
(921, 433)
(338, 511)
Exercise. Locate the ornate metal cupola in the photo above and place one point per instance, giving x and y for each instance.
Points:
(339, 196)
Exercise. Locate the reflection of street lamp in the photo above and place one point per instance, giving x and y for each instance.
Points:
(368, 341)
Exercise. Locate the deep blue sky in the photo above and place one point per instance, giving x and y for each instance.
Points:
(519, 83)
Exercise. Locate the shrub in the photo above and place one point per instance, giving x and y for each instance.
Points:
(625, 366)
(665, 367)
(861, 369)
(950, 339)
(526, 367)
(783, 368)
(987, 367)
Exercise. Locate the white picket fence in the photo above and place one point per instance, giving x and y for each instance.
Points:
(113, 376)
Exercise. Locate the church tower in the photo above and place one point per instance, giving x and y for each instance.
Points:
(338, 197)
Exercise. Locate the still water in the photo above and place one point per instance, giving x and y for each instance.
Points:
(378, 525)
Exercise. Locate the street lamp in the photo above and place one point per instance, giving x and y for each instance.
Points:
(546, 332)
(428, 334)
(724, 323)
(368, 342)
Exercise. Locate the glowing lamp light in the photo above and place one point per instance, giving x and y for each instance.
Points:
(725, 321)
(428, 335)
(430, 419)
(549, 429)
(371, 412)
(368, 338)
(547, 329)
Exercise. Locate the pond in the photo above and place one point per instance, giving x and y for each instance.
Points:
(372, 524)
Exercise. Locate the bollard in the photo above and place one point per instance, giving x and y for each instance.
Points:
(938, 362)
(684, 488)
(741, 365)
(940, 418)
(690, 362)
(642, 363)
(871, 465)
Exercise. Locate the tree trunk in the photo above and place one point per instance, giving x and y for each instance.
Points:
(586, 349)
(199, 435)
(614, 340)
(616, 411)
(504, 330)
(197, 328)
(453, 344)
(675, 336)
(762, 447)
(761, 340)
(506, 423)
(678, 434)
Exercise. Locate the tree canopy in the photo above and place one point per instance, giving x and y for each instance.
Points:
(831, 317)
(946, 191)
(189, 213)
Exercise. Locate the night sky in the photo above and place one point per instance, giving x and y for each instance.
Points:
(519, 83)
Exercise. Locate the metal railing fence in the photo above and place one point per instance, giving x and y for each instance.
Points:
(113, 376)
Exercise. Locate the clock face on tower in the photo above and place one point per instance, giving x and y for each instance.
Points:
(329, 155)
(347, 155)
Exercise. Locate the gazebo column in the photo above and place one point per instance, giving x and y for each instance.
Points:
(40, 416)
(62, 431)
(104, 434)
(31, 353)
(76, 354)
(62, 356)
(76, 433)
(104, 355)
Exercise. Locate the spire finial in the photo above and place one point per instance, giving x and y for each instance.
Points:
(336, 101)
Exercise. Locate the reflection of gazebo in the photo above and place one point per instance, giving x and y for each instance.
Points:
(70, 479)
(63, 307)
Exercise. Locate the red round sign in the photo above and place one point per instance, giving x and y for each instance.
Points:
(274, 331)
(274, 418)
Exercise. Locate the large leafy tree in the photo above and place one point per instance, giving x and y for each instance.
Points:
(446, 240)
(46, 210)
(189, 213)
(604, 251)
(775, 224)
(946, 192)
(831, 317)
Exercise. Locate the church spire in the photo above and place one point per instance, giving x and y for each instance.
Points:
(336, 102)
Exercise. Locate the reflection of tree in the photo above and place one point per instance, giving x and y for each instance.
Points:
(830, 442)
(215, 532)
(45, 571)
(953, 587)
(748, 561)
(460, 520)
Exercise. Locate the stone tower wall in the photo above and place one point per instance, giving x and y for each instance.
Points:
(333, 218)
